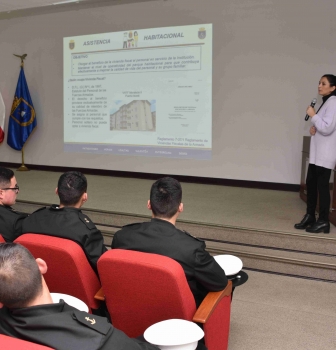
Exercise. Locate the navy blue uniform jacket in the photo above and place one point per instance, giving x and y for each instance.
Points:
(63, 327)
(69, 223)
(161, 237)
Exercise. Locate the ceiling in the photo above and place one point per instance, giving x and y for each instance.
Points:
(18, 8)
(12, 5)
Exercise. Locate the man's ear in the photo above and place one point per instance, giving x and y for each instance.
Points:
(149, 205)
(1, 305)
(56, 190)
(180, 209)
(85, 197)
(42, 265)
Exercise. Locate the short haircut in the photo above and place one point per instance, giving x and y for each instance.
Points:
(165, 197)
(20, 277)
(5, 176)
(71, 186)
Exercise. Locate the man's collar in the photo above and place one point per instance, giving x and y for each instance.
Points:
(56, 207)
(162, 221)
(6, 207)
(39, 310)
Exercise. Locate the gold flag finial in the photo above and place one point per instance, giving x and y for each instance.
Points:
(22, 57)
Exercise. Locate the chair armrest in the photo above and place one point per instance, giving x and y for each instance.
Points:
(210, 302)
(100, 295)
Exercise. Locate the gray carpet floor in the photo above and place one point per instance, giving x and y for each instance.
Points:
(274, 312)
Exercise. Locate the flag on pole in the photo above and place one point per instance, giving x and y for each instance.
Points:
(22, 119)
(2, 119)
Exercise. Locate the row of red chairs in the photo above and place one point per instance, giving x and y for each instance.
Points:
(9, 343)
(139, 289)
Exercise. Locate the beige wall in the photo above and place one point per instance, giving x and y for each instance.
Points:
(268, 56)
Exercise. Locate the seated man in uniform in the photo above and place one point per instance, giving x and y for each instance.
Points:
(160, 236)
(10, 220)
(67, 220)
(29, 313)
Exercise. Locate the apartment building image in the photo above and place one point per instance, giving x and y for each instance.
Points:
(133, 116)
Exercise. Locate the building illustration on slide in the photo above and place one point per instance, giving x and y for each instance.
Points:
(136, 115)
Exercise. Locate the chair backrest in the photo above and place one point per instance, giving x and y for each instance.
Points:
(69, 271)
(2, 239)
(9, 343)
(142, 289)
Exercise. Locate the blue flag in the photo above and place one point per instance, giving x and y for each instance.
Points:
(22, 119)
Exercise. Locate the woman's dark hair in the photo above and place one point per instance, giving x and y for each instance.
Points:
(332, 81)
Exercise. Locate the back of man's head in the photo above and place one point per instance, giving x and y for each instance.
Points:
(20, 277)
(165, 197)
(71, 186)
(5, 176)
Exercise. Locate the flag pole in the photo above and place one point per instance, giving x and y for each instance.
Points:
(22, 167)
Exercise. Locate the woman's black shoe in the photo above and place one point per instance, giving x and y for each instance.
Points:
(307, 220)
(319, 226)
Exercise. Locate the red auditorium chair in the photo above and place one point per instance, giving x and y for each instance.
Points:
(141, 289)
(69, 271)
(1, 239)
(9, 343)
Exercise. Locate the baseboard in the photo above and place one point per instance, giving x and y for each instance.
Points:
(181, 178)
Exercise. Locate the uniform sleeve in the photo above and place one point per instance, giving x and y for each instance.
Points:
(115, 243)
(208, 272)
(11, 224)
(94, 247)
(326, 123)
(93, 242)
(17, 227)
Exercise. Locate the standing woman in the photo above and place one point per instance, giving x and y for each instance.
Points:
(322, 158)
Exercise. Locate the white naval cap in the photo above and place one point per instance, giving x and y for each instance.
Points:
(174, 334)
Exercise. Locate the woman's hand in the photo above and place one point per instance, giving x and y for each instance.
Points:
(311, 111)
(312, 130)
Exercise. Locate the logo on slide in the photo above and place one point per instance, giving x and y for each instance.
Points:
(130, 39)
(202, 33)
(71, 44)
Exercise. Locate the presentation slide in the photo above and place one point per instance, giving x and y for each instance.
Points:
(140, 92)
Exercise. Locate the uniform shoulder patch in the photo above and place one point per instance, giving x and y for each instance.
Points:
(188, 234)
(97, 323)
(129, 225)
(86, 220)
(40, 209)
